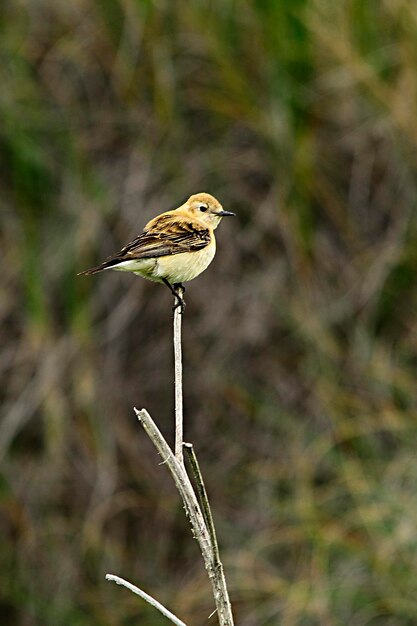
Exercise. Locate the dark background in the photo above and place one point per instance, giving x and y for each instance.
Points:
(299, 340)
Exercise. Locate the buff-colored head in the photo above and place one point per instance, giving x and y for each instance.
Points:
(205, 208)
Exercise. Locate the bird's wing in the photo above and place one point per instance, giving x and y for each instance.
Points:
(165, 235)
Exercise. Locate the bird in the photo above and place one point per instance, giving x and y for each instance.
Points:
(174, 247)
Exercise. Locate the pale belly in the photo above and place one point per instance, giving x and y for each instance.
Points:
(180, 268)
(175, 268)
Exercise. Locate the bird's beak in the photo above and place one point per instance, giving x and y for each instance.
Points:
(225, 213)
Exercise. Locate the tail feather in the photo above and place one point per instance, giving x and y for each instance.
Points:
(99, 268)
(92, 270)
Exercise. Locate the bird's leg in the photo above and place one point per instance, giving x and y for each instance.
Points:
(180, 296)
(174, 290)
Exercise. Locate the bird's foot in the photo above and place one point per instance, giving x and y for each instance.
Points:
(178, 290)
(179, 304)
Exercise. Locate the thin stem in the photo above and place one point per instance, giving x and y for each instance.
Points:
(147, 597)
(203, 499)
(179, 415)
(193, 510)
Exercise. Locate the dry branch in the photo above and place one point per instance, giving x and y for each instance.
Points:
(204, 502)
(193, 510)
(147, 597)
(200, 516)
(179, 420)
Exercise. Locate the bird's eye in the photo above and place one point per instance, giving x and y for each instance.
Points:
(202, 207)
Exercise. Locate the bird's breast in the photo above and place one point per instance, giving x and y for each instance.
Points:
(180, 268)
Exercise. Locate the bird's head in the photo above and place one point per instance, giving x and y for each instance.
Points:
(206, 209)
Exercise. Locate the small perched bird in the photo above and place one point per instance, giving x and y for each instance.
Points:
(174, 247)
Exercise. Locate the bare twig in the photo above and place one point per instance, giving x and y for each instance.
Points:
(195, 515)
(179, 420)
(205, 506)
(204, 502)
(198, 511)
(147, 597)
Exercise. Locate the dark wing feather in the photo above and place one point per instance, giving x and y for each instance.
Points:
(165, 235)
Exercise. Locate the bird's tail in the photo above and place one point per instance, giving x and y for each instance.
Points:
(95, 270)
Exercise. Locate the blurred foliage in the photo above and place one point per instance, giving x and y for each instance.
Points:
(300, 340)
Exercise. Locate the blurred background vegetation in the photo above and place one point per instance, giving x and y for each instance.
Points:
(300, 340)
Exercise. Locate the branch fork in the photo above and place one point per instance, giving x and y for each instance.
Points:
(196, 502)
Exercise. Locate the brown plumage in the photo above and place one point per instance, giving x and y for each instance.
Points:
(166, 234)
